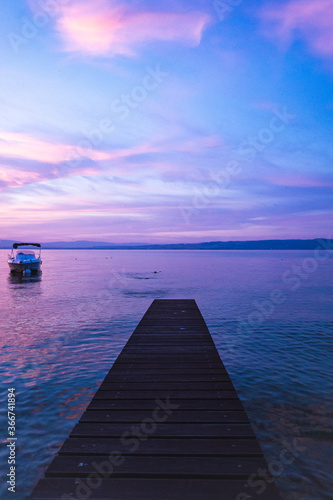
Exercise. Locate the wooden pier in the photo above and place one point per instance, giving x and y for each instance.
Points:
(166, 423)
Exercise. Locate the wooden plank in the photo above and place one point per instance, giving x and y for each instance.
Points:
(152, 370)
(180, 416)
(162, 467)
(203, 362)
(165, 447)
(174, 366)
(145, 363)
(186, 351)
(145, 343)
(162, 338)
(167, 357)
(138, 377)
(170, 330)
(152, 489)
(162, 430)
(172, 395)
(151, 404)
(160, 385)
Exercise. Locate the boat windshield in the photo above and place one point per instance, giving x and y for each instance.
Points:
(27, 254)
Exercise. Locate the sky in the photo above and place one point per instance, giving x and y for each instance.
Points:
(170, 121)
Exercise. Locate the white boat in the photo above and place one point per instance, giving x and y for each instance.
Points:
(25, 261)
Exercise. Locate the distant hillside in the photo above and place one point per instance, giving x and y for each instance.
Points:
(77, 244)
(211, 245)
(6, 244)
(231, 245)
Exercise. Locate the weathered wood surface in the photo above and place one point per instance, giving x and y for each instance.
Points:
(166, 423)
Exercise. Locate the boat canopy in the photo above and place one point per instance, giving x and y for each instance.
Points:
(16, 245)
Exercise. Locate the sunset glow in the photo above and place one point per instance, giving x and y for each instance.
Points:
(148, 121)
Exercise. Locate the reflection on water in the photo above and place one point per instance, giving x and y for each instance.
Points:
(61, 331)
(18, 278)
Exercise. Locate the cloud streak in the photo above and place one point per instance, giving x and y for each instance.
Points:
(110, 28)
(16, 145)
(309, 20)
(25, 159)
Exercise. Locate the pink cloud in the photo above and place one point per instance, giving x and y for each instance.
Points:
(100, 27)
(51, 158)
(22, 146)
(309, 20)
(12, 177)
(19, 152)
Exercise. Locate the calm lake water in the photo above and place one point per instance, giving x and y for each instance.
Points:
(61, 332)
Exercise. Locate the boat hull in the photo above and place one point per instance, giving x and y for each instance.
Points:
(21, 267)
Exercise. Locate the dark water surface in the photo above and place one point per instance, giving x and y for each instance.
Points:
(270, 314)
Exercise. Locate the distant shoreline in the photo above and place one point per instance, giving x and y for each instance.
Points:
(212, 245)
